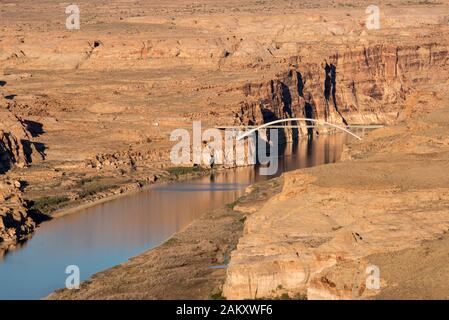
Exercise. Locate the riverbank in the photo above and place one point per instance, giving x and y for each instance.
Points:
(189, 265)
(90, 120)
(169, 176)
(108, 234)
(20, 216)
(312, 231)
(386, 206)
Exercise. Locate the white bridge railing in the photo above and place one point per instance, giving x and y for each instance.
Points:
(316, 121)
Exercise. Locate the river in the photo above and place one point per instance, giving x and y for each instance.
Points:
(108, 234)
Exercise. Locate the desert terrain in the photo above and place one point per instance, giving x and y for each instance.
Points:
(311, 233)
(87, 115)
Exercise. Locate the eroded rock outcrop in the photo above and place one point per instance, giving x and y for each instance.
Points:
(15, 222)
(17, 147)
(11, 148)
(314, 237)
(364, 85)
(130, 159)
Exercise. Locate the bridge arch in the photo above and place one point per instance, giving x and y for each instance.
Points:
(297, 119)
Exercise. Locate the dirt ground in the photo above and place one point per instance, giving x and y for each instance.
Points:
(416, 273)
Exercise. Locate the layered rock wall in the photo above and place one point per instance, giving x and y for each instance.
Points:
(15, 221)
(17, 147)
(314, 238)
(361, 86)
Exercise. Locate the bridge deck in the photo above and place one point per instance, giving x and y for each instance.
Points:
(354, 126)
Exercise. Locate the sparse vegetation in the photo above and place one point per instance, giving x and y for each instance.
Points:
(285, 296)
(179, 171)
(94, 189)
(46, 205)
(171, 241)
(217, 296)
(231, 205)
(88, 180)
(90, 186)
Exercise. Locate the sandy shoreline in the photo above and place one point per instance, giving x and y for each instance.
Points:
(136, 189)
(180, 267)
(196, 231)
(386, 205)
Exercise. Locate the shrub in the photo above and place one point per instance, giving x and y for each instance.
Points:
(178, 171)
(48, 204)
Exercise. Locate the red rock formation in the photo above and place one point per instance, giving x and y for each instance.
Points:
(15, 222)
(16, 143)
(359, 86)
(16, 150)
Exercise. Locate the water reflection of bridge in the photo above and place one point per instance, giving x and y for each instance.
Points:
(353, 126)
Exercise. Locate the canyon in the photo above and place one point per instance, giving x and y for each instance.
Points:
(86, 115)
(317, 237)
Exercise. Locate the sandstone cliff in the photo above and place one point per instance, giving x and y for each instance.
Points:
(17, 150)
(366, 85)
(17, 147)
(110, 94)
(314, 238)
(15, 221)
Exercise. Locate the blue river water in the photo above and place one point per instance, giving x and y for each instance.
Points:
(108, 234)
